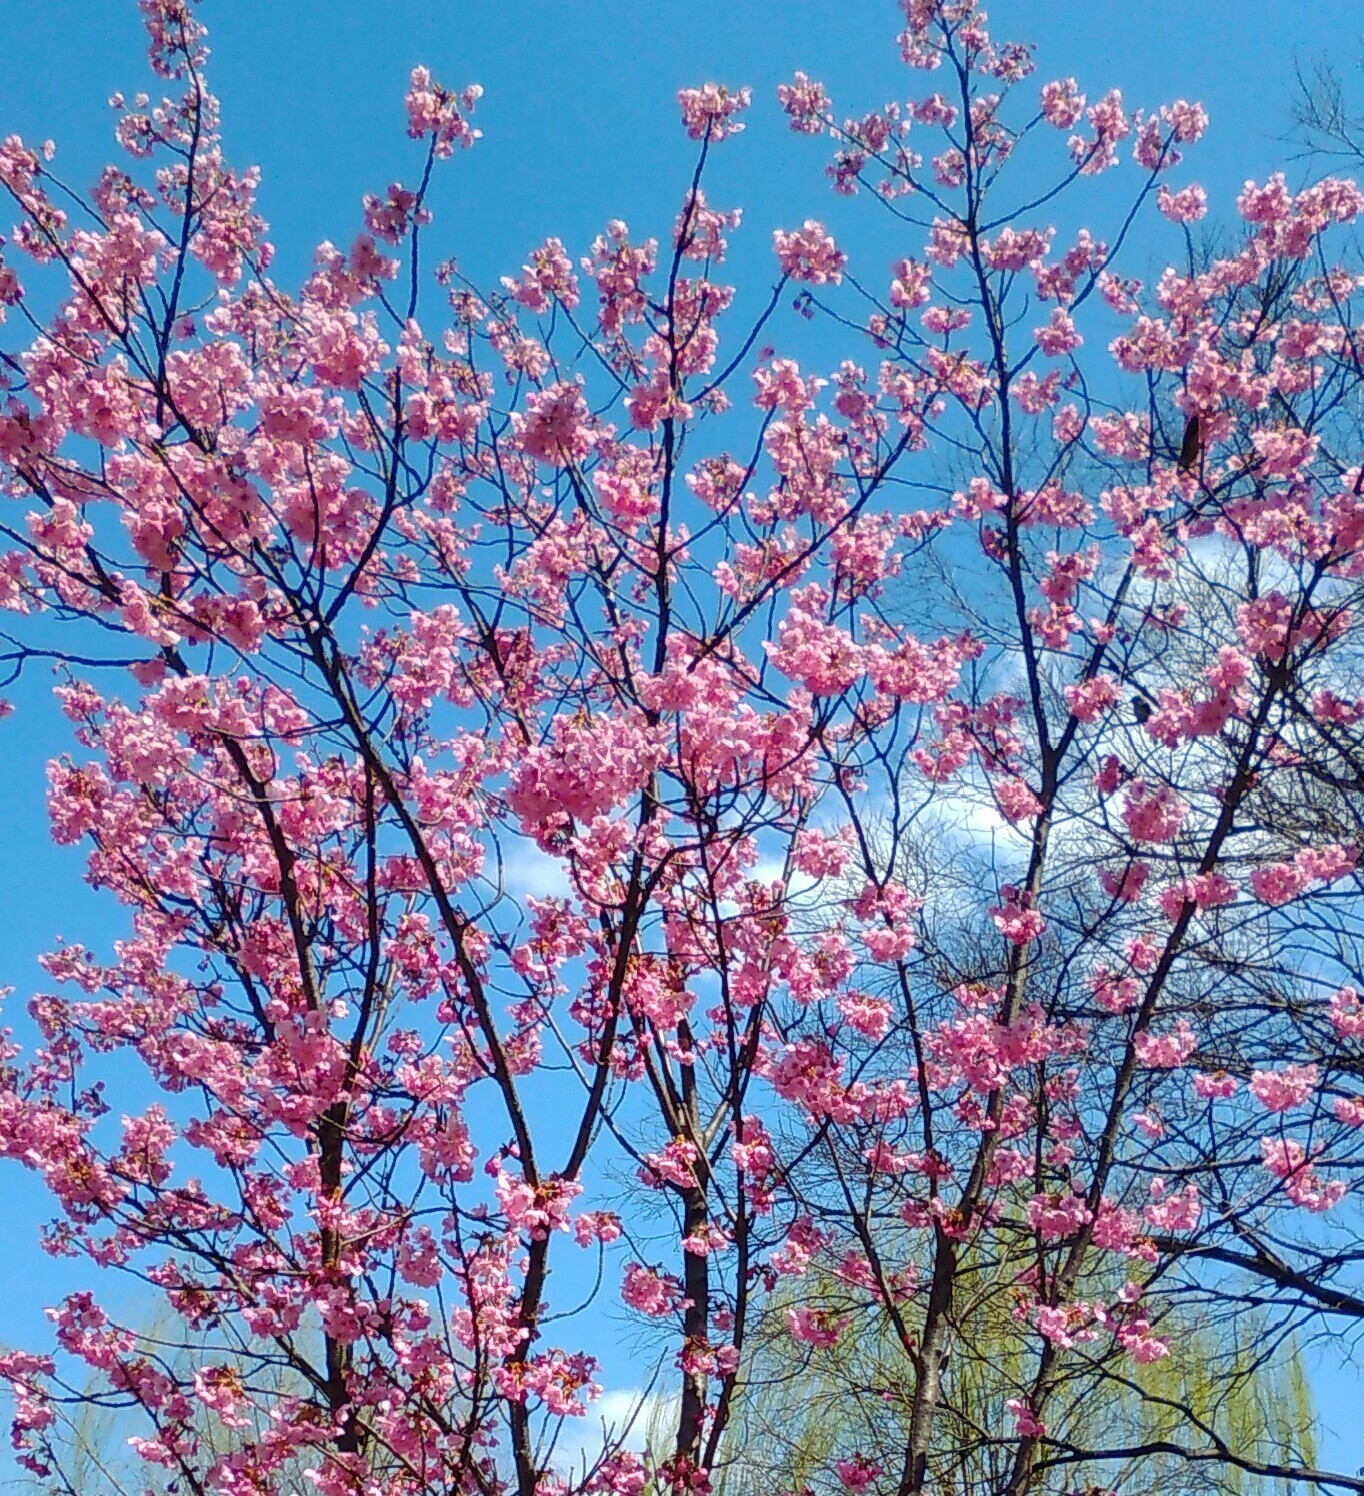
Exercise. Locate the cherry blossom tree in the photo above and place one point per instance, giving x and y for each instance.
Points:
(942, 764)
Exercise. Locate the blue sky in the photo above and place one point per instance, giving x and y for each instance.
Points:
(580, 125)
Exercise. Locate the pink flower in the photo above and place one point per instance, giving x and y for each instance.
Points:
(1153, 813)
(821, 656)
(753, 1156)
(674, 1163)
(1091, 698)
(1188, 205)
(1110, 124)
(810, 254)
(652, 1293)
(1287, 1159)
(806, 104)
(1059, 336)
(1115, 994)
(857, 1473)
(912, 286)
(1347, 1014)
(596, 1226)
(1266, 626)
(435, 111)
(1016, 801)
(220, 1389)
(1167, 1050)
(1265, 205)
(708, 112)
(1327, 864)
(809, 1072)
(1144, 1347)
(1277, 883)
(820, 1327)
(419, 1259)
(536, 1209)
(1056, 1324)
(556, 429)
(1281, 1090)
(1187, 121)
(1053, 1216)
(1110, 776)
(803, 1240)
(1026, 1423)
(1203, 891)
(1181, 1211)
(1015, 919)
(1144, 952)
(546, 279)
(1062, 103)
(870, 1016)
(1328, 707)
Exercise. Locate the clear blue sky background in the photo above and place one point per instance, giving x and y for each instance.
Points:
(580, 125)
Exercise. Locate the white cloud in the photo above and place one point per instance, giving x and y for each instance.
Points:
(528, 870)
(621, 1419)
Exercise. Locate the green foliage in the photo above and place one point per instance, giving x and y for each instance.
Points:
(1232, 1387)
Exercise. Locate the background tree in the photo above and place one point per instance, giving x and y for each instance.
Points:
(803, 1421)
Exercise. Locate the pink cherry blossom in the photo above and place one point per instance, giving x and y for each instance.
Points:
(809, 254)
(443, 116)
(818, 1327)
(1165, 1050)
(1287, 1159)
(1283, 1089)
(708, 113)
(1153, 813)
(621, 793)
